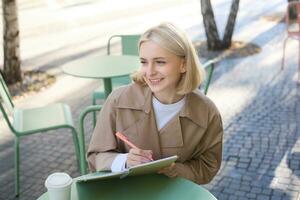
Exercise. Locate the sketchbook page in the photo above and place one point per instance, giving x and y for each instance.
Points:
(146, 168)
(100, 175)
(151, 167)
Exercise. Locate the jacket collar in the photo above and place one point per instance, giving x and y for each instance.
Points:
(138, 97)
(196, 109)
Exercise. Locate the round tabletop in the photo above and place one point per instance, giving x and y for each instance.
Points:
(146, 187)
(102, 66)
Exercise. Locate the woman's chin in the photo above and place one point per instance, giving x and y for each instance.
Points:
(155, 88)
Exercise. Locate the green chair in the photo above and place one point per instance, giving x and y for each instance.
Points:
(83, 114)
(209, 67)
(24, 122)
(129, 45)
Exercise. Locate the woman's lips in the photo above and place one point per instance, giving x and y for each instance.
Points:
(155, 81)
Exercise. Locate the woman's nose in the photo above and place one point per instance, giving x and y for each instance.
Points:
(150, 70)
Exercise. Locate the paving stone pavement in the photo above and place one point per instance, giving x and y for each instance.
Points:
(260, 106)
(261, 109)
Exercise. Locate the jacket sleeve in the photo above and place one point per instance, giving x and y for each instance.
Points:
(103, 145)
(205, 162)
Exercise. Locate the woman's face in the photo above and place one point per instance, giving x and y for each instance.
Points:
(161, 69)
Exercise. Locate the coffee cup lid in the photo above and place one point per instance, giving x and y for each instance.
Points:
(57, 180)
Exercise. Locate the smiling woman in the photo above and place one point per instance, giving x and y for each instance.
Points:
(162, 113)
(161, 70)
(172, 43)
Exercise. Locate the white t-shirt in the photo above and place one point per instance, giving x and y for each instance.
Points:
(163, 114)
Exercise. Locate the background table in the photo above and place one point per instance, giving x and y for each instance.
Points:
(146, 187)
(103, 67)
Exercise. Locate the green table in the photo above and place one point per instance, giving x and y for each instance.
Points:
(146, 187)
(103, 67)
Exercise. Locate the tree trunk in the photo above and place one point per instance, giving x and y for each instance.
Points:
(292, 11)
(226, 42)
(211, 31)
(12, 69)
(213, 40)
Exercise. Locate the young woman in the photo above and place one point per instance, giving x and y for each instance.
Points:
(162, 113)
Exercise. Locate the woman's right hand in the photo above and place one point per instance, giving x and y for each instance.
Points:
(138, 156)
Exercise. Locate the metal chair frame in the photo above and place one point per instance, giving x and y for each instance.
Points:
(292, 34)
(26, 122)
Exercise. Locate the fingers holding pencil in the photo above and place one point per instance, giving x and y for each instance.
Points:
(138, 156)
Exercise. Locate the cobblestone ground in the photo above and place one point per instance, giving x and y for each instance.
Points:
(261, 111)
(260, 106)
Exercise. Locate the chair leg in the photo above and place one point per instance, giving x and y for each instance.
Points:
(17, 167)
(76, 144)
(94, 113)
(82, 143)
(298, 82)
(283, 53)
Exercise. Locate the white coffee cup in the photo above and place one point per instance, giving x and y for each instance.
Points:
(59, 186)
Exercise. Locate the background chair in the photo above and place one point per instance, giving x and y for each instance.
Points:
(129, 46)
(24, 122)
(209, 67)
(83, 114)
(293, 31)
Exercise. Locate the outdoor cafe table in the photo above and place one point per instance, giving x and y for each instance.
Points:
(103, 67)
(146, 187)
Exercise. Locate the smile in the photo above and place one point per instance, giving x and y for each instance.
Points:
(155, 81)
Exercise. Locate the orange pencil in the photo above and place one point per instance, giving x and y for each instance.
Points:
(124, 139)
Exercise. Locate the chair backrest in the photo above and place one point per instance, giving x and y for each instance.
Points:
(293, 27)
(209, 67)
(129, 44)
(6, 104)
(5, 95)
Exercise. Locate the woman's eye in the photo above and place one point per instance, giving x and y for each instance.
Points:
(143, 62)
(160, 62)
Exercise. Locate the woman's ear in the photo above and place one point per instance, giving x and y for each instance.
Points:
(183, 67)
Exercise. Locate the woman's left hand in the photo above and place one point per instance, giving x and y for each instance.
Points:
(169, 171)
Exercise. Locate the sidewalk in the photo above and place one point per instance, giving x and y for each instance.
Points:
(261, 111)
(260, 104)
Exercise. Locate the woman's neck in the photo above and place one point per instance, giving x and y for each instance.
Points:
(168, 99)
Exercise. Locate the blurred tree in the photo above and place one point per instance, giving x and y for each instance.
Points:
(213, 39)
(11, 68)
(292, 10)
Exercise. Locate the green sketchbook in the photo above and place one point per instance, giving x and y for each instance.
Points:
(146, 168)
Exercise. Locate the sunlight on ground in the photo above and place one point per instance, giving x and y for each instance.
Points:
(282, 172)
(56, 93)
(291, 59)
(6, 135)
(71, 30)
(231, 101)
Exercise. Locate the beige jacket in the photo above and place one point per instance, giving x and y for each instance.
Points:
(194, 134)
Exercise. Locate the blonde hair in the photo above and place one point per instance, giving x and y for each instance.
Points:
(177, 42)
